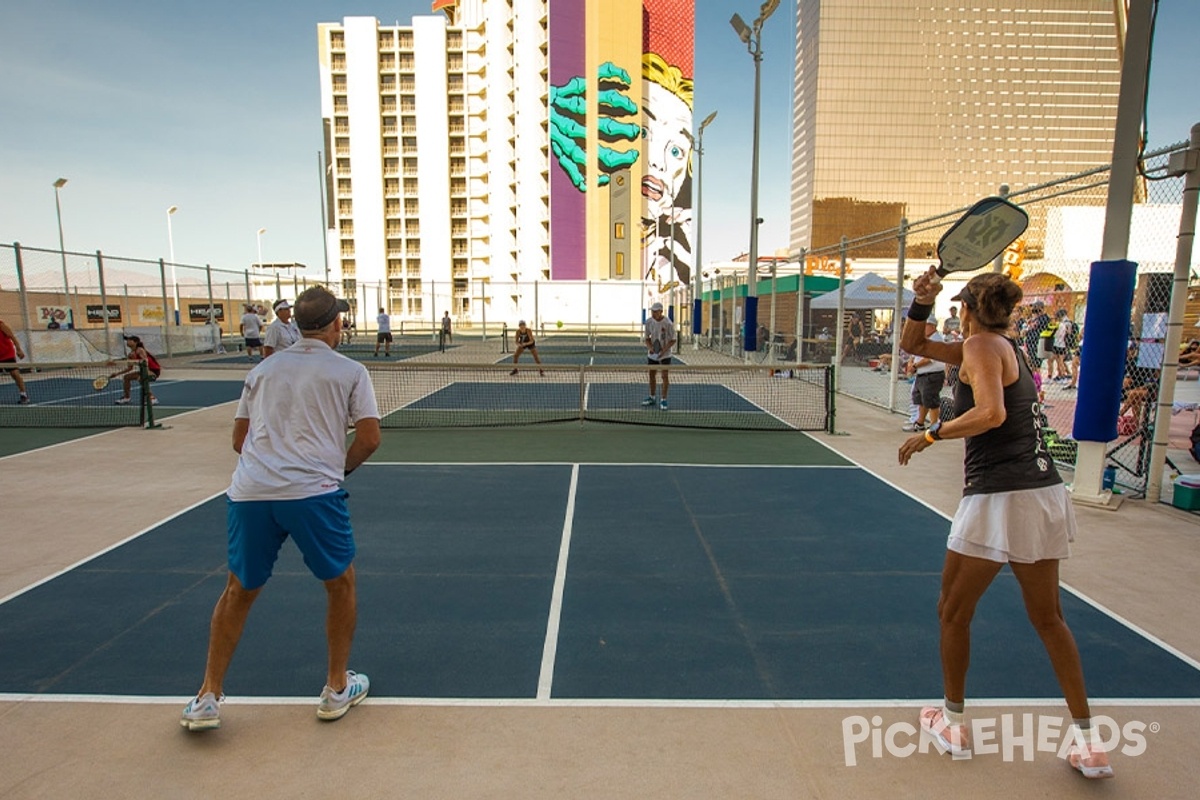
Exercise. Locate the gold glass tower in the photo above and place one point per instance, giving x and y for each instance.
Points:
(916, 107)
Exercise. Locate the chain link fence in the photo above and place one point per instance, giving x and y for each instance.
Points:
(67, 306)
(1052, 263)
(486, 308)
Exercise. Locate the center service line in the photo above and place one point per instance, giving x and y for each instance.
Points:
(550, 648)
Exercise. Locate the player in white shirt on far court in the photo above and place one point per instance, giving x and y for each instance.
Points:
(659, 337)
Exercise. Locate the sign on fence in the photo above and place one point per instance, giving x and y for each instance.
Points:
(198, 312)
(48, 314)
(96, 313)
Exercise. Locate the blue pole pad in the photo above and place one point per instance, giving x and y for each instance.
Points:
(697, 308)
(1105, 340)
(750, 325)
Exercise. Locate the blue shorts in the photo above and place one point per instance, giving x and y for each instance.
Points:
(320, 527)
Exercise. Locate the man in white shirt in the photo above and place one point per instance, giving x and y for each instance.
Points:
(290, 436)
(384, 336)
(282, 332)
(660, 342)
(251, 329)
(928, 383)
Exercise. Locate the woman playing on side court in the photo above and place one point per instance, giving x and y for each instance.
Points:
(1015, 509)
(137, 352)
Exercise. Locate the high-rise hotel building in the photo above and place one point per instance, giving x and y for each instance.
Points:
(498, 143)
(911, 108)
(434, 143)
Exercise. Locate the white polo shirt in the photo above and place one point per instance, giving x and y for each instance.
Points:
(281, 334)
(299, 402)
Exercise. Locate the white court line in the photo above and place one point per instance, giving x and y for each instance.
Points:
(550, 648)
(196, 410)
(601, 464)
(1191, 662)
(115, 390)
(1184, 657)
(643, 703)
(110, 548)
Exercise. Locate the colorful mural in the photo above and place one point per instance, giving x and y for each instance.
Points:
(606, 129)
(668, 46)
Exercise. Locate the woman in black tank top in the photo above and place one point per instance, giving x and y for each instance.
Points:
(1015, 509)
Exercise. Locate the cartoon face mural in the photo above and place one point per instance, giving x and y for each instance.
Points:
(608, 123)
(666, 181)
(668, 148)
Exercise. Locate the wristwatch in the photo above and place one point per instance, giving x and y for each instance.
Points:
(935, 431)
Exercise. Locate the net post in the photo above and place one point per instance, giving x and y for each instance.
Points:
(800, 305)
(830, 400)
(582, 394)
(147, 406)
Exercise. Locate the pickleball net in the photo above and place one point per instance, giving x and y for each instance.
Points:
(62, 395)
(740, 397)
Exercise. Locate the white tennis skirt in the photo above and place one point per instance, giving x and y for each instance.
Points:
(1023, 526)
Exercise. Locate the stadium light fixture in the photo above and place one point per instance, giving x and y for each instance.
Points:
(62, 250)
(698, 291)
(751, 36)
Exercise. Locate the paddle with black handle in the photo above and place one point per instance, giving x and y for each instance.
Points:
(981, 234)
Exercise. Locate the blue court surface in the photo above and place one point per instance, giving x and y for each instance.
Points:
(556, 581)
(71, 402)
(517, 396)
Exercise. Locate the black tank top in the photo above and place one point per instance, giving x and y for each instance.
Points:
(1013, 455)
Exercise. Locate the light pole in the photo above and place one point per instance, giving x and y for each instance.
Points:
(751, 36)
(261, 231)
(174, 274)
(62, 249)
(698, 265)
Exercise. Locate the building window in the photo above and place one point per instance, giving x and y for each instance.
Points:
(620, 263)
(619, 231)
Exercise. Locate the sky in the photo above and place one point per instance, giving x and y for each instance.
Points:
(214, 107)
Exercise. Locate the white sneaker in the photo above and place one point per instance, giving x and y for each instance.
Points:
(913, 427)
(122, 401)
(334, 705)
(202, 713)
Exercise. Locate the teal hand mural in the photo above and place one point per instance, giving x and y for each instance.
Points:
(568, 134)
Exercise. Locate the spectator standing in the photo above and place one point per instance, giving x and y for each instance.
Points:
(928, 383)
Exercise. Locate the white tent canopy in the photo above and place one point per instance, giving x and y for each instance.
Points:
(869, 291)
